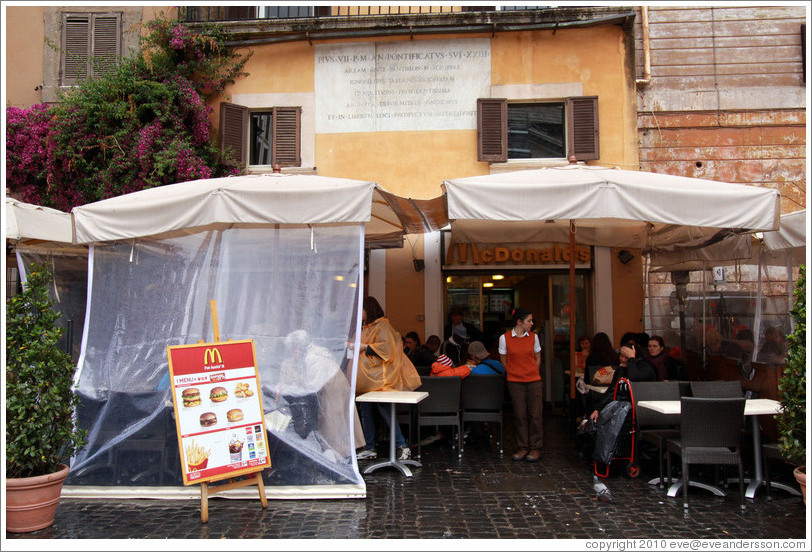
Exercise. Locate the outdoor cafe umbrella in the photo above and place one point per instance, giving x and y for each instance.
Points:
(255, 200)
(601, 206)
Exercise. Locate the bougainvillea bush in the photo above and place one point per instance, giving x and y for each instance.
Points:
(144, 124)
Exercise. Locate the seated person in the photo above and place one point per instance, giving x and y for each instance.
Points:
(420, 355)
(455, 348)
(773, 351)
(479, 363)
(581, 354)
(601, 354)
(628, 366)
(444, 367)
(717, 345)
(665, 366)
(640, 370)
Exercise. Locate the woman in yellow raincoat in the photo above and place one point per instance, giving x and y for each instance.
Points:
(382, 366)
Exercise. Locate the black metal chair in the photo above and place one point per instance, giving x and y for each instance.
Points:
(722, 389)
(482, 397)
(710, 433)
(441, 407)
(717, 389)
(652, 426)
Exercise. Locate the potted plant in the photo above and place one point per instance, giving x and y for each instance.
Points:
(40, 431)
(792, 389)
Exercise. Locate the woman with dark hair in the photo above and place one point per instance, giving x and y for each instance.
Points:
(520, 352)
(382, 366)
(665, 367)
(601, 354)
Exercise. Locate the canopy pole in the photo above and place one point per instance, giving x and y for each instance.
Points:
(572, 309)
(759, 306)
(704, 320)
(215, 324)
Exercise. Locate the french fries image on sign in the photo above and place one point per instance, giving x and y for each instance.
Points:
(196, 456)
(243, 390)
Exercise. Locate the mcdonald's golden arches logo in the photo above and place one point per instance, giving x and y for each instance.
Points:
(210, 355)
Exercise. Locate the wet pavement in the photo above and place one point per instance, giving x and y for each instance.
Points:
(478, 496)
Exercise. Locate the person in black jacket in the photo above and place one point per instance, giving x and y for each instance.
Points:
(630, 368)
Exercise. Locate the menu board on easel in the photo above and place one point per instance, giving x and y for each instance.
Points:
(218, 410)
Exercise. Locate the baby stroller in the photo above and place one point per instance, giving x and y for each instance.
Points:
(615, 438)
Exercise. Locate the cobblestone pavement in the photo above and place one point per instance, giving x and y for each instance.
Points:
(480, 496)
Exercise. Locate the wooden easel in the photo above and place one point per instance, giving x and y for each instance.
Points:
(254, 478)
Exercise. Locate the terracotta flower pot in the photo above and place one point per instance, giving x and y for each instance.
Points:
(31, 501)
(800, 476)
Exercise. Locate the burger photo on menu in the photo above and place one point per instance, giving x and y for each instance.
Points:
(191, 397)
(208, 419)
(218, 394)
(234, 415)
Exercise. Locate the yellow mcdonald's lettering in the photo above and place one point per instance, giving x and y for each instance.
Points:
(210, 355)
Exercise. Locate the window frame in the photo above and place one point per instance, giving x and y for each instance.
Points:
(286, 139)
(97, 41)
(581, 130)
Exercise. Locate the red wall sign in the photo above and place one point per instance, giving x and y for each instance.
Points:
(218, 410)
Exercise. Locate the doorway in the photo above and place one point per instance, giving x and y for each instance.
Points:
(488, 298)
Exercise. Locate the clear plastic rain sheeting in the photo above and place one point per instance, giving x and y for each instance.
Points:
(68, 288)
(291, 289)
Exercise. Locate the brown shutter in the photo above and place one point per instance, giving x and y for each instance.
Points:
(106, 41)
(492, 129)
(582, 128)
(286, 131)
(240, 12)
(233, 133)
(75, 47)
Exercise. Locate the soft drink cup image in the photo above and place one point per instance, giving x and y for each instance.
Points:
(235, 448)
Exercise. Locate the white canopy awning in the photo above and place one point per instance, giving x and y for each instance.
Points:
(769, 248)
(250, 200)
(610, 207)
(27, 222)
(791, 235)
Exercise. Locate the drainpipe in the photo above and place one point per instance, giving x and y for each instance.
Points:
(646, 80)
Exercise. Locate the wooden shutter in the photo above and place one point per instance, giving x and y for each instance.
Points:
(492, 143)
(582, 128)
(106, 38)
(234, 133)
(240, 12)
(286, 132)
(75, 47)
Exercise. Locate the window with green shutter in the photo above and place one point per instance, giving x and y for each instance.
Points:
(91, 45)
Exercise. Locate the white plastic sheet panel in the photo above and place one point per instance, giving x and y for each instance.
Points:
(267, 283)
(68, 288)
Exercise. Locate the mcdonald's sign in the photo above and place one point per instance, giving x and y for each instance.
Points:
(210, 355)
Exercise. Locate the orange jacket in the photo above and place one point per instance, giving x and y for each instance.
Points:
(440, 369)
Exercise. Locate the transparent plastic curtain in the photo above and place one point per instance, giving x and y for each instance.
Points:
(68, 289)
(272, 285)
(752, 298)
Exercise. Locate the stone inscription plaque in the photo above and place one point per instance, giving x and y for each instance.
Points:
(416, 85)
